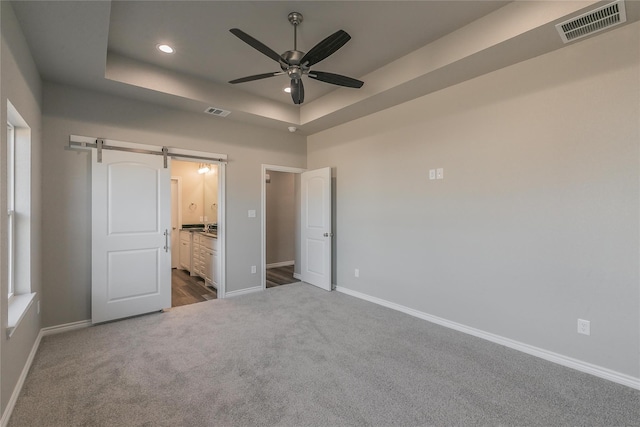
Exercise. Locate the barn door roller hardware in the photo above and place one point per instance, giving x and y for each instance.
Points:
(100, 145)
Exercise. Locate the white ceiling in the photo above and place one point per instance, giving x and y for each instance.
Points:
(400, 49)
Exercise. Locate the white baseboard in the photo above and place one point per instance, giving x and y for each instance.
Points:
(18, 388)
(23, 375)
(51, 330)
(281, 264)
(297, 276)
(560, 359)
(242, 292)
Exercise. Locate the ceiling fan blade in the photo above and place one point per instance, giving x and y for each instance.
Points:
(255, 77)
(336, 79)
(297, 91)
(259, 46)
(326, 47)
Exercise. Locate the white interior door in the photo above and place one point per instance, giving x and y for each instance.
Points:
(131, 258)
(316, 228)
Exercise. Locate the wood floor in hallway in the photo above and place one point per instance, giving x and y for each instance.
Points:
(187, 289)
(280, 276)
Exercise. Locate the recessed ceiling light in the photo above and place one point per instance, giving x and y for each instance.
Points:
(165, 48)
(287, 89)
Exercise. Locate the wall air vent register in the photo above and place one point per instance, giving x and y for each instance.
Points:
(588, 23)
(217, 112)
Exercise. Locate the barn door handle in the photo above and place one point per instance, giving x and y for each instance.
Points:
(166, 240)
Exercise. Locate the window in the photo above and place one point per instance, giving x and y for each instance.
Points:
(11, 203)
(18, 236)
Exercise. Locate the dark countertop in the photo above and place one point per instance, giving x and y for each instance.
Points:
(199, 230)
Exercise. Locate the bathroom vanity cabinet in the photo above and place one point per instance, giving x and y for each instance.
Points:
(199, 255)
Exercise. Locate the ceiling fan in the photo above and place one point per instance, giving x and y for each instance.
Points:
(295, 63)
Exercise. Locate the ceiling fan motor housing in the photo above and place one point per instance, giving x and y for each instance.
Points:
(290, 63)
(290, 57)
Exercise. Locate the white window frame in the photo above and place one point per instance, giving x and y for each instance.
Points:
(11, 205)
(18, 184)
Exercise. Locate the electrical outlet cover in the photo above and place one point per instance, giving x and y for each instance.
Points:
(584, 327)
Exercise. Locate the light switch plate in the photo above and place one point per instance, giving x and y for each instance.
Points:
(252, 213)
(432, 174)
(440, 173)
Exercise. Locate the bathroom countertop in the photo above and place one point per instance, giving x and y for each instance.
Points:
(199, 230)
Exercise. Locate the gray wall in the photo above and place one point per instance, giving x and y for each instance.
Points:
(20, 84)
(281, 217)
(66, 186)
(536, 221)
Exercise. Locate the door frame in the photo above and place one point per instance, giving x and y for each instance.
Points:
(178, 181)
(263, 216)
(222, 169)
(221, 291)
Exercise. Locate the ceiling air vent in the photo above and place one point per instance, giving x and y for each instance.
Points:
(217, 112)
(599, 19)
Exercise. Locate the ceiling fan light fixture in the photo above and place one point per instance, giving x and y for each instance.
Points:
(165, 48)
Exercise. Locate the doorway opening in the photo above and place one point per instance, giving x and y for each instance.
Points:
(280, 225)
(195, 269)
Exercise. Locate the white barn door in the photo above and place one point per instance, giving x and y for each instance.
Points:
(131, 244)
(316, 228)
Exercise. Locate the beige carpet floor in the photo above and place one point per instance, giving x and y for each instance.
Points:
(295, 355)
